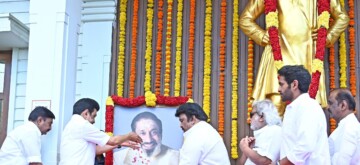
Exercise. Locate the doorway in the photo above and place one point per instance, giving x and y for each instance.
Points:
(5, 72)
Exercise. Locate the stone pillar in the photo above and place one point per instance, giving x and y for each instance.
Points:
(51, 76)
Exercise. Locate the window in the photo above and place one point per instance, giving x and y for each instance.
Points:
(5, 69)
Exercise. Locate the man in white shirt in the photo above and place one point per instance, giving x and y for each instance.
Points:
(304, 129)
(80, 140)
(202, 143)
(264, 147)
(344, 142)
(22, 146)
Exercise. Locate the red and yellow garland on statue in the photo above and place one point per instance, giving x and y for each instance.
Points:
(272, 24)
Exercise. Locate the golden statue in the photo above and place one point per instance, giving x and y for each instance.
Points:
(297, 37)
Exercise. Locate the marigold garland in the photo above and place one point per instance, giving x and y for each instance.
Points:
(133, 50)
(168, 49)
(109, 127)
(159, 47)
(148, 51)
(332, 78)
(323, 11)
(342, 57)
(250, 76)
(234, 91)
(352, 53)
(121, 54)
(222, 59)
(178, 48)
(141, 100)
(191, 48)
(323, 22)
(332, 65)
(272, 25)
(207, 58)
(150, 99)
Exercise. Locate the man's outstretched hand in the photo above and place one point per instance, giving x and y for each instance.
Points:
(130, 144)
(132, 136)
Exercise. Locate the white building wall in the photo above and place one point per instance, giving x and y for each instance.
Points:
(93, 64)
(18, 8)
(17, 88)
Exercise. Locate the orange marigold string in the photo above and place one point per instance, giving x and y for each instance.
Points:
(332, 77)
(250, 76)
(222, 59)
(159, 47)
(133, 50)
(352, 53)
(191, 49)
(168, 49)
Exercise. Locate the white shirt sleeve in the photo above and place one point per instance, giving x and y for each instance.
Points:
(272, 150)
(31, 143)
(94, 135)
(307, 134)
(190, 152)
(347, 146)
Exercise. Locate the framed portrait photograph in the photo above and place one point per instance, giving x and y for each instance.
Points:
(159, 129)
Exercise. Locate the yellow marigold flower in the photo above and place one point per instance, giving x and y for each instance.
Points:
(272, 19)
(278, 64)
(317, 65)
(323, 19)
(109, 101)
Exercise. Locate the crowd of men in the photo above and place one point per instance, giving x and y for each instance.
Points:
(300, 138)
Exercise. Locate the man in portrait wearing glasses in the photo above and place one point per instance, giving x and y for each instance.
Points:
(264, 147)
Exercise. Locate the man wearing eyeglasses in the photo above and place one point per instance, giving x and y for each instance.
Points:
(264, 147)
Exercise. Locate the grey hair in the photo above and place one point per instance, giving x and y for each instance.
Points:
(267, 109)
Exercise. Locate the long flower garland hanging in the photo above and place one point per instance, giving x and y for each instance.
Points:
(342, 56)
(168, 49)
(109, 127)
(207, 58)
(250, 76)
(133, 50)
(234, 81)
(352, 47)
(191, 49)
(178, 48)
(272, 24)
(148, 51)
(222, 61)
(159, 47)
(121, 55)
(332, 79)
